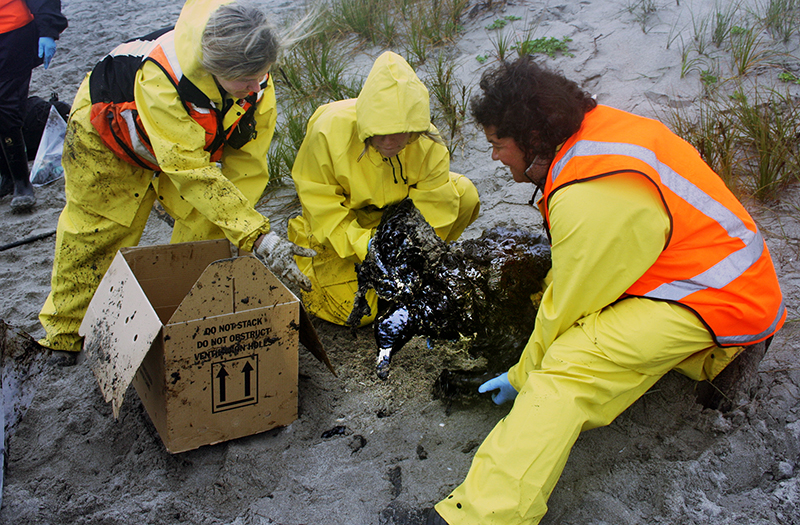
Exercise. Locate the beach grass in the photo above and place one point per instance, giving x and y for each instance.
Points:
(643, 12)
(747, 132)
(503, 42)
(747, 49)
(769, 133)
(781, 18)
(450, 100)
(752, 141)
(746, 129)
(723, 22)
(316, 70)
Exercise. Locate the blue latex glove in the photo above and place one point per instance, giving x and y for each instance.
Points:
(506, 391)
(47, 48)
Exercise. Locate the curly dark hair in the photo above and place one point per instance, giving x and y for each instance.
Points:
(538, 108)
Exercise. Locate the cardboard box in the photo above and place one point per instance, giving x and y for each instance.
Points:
(209, 341)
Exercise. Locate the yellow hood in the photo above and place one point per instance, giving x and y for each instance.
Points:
(393, 99)
(188, 32)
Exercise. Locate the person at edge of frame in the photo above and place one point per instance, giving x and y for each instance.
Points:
(28, 33)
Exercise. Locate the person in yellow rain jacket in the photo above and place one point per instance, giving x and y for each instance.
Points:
(184, 116)
(656, 266)
(358, 157)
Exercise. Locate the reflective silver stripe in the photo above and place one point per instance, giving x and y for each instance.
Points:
(167, 43)
(198, 109)
(168, 46)
(136, 143)
(750, 339)
(136, 48)
(719, 275)
(265, 83)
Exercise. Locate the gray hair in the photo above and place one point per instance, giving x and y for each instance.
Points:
(238, 41)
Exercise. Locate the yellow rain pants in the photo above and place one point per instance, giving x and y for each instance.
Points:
(589, 376)
(79, 266)
(333, 279)
(590, 356)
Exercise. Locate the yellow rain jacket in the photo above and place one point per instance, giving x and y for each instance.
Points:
(343, 187)
(188, 181)
(108, 200)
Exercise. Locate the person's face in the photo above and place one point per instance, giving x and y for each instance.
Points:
(508, 152)
(241, 87)
(390, 145)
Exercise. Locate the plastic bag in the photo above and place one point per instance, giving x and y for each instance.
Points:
(47, 165)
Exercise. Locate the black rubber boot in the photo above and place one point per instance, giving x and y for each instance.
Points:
(16, 160)
(434, 518)
(7, 184)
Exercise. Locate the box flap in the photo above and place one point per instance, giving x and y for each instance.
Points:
(231, 286)
(310, 340)
(119, 327)
(166, 273)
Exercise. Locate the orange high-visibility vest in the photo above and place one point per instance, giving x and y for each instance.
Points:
(116, 118)
(13, 15)
(715, 261)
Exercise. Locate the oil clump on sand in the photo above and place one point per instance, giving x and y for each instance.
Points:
(486, 290)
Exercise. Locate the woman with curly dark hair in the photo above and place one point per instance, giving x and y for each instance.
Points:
(656, 266)
(537, 108)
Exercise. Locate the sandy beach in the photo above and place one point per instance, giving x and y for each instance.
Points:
(666, 460)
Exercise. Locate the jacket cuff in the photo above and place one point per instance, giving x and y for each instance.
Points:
(516, 377)
(247, 242)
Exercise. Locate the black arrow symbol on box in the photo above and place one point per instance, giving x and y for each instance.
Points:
(222, 375)
(247, 370)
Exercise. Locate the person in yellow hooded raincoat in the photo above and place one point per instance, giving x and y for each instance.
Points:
(184, 116)
(656, 266)
(358, 157)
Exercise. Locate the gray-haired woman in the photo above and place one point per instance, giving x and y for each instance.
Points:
(185, 116)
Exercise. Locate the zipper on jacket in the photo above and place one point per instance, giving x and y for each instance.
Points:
(394, 176)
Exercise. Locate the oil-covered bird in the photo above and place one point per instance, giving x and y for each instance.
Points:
(479, 288)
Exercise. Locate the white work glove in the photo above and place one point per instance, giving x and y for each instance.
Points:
(278, 254)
